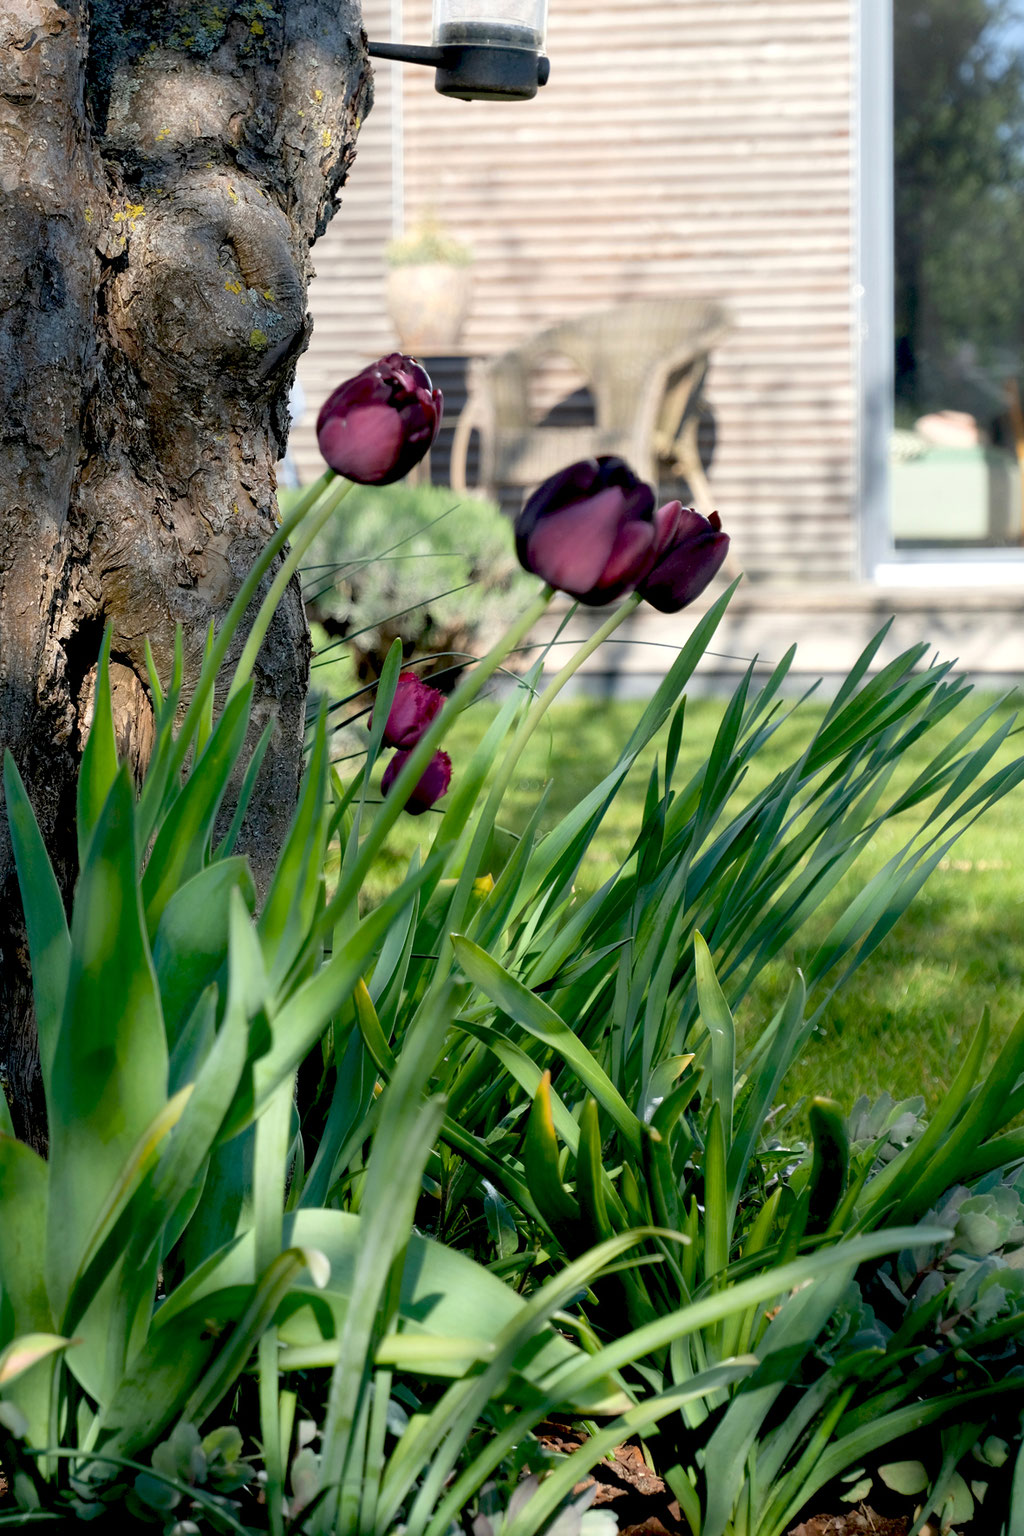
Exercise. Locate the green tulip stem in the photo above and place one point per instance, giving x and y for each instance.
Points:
(268, 607)
(235, 614)
(543, 702)
(469, 688)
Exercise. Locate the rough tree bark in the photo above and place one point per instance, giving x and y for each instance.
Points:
(164, 170)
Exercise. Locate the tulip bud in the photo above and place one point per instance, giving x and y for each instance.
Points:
(414, 706)
(378, 425)
(589, 530)
(690, 549)
(435, 781)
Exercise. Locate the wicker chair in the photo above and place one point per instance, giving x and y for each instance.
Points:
(645, 363)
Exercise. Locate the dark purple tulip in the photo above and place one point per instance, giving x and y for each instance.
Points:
(375, 427)
(589, 530)
(414, 706)
(690, 549)
(435, 781)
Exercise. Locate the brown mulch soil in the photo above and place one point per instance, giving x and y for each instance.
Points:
(644, 1505)
(857, 1522)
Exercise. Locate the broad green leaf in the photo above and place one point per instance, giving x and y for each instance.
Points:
(905, 1477)
(291, 903)
(226, 1203)
(166, 1370)
(117, 1220)
(171, 1160)
(180, 848)
(49, 942)
(451, 1309)
(25, 1352)
(191, 942)
(436, 1441)
(23, 1202)
(271, 1288)
(1015, 1526)
(109, 1078)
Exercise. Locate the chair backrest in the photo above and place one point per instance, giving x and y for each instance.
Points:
(620, 351)
(628, 355)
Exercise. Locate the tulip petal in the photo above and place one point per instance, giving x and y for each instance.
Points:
(413, 708)
(433, 783)
(682, 572)
(376, 426)
(630, 558)
(571, 548)
(363, 443)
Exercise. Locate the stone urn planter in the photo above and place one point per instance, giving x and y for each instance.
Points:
(429, 289)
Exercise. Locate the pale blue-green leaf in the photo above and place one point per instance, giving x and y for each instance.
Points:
(191, 942)
(905, 1477)
(110, 1068)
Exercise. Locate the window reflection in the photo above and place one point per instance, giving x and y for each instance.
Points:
(958, 447)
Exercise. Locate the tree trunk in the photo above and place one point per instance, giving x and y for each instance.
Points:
(165, 168)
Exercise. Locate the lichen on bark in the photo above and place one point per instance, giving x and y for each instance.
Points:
(165, 169)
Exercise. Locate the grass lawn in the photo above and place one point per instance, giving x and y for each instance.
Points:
(901, 1021)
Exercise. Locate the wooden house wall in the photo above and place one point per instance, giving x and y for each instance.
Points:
(692, 147)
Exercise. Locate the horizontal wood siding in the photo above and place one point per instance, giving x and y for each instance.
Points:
(701, 147)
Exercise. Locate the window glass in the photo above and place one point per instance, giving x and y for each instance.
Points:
(957, 451)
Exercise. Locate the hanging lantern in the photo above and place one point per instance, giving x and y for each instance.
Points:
(483, 50)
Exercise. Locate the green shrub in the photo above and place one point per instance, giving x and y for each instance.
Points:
(417, 564)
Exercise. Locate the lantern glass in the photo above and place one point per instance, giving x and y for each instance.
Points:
(491, 23)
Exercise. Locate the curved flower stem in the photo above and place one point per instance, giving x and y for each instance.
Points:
(257, 634)
(529, 723)
(235, 614)
(468, 689)
(545, 699)
(543, 702)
